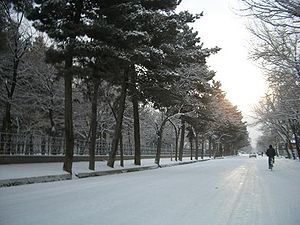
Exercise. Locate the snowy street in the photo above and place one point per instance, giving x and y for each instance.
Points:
(232, 191)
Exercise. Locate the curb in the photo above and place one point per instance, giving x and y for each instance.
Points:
(60, 177)
(183, 163)
(32, 180)
(117, 171)
(134, 169)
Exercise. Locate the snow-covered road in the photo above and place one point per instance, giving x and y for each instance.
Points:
(233, 191)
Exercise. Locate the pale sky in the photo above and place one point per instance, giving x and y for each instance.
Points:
(241, 79)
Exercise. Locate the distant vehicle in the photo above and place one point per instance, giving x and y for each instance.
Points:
(252, 155)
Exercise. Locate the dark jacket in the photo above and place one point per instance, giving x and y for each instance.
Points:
(271, 152)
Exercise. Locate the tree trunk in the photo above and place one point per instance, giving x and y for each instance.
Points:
(287, 149)
(6, 131)
(216, 147)
(202, 149)
(136, 121)
(158, 147)
(221, 150)
(52, 124)
(176, 139)
(51, 119)
(69, 133)
(159, 141)
(197, 147)
(6, 125)
(176, 146)
(137, 142)
(297, 144)
(69, 151)
(118, 127)
(191, 148)
(93, 126)
(121, 150)
(291, 149)
(181, 139)
(209, 146)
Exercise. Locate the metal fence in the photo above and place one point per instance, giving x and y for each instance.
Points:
(31, 144)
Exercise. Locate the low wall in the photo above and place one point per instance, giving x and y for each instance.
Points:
(13, 159)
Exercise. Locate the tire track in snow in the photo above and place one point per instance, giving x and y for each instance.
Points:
(247, 208)
(233, 189)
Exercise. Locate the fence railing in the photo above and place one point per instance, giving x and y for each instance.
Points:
(31, 144)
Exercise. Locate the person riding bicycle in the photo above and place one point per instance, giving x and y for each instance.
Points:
(271, 154)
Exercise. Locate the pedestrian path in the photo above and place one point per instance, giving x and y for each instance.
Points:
(18, 174)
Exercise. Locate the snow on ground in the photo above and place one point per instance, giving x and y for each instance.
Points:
(13, 171)
(233, 191)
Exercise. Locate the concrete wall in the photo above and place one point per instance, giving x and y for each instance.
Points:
(11, 159)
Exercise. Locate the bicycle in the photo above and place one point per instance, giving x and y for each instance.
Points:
(271, 163)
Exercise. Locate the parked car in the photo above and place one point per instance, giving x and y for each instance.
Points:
(252, 155)
(260, 153)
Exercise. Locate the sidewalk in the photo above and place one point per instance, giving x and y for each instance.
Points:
(19, 174)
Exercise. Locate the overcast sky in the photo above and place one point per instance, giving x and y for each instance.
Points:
(220, 26)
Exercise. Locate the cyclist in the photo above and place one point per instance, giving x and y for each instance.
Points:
(271, 154)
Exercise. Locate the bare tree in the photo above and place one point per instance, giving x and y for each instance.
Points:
(17, 41)
(277, 13)
(276, 29)
(277, 50)
(279, 112)
(41, 90)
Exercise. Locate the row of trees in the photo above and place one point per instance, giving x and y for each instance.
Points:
(120, 67)
(277, 32)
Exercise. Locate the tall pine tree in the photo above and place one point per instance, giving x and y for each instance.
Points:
(65, 23)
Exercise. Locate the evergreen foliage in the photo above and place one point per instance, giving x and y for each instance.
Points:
(114, 55)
